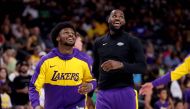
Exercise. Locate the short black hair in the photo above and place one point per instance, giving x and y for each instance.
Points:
(162, 89)
(24, 63)
(55, 31)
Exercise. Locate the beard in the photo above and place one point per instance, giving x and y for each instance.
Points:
(69, 44)
(116, 30)
(23, 71)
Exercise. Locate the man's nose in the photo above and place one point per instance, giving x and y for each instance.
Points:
(70, 34)
(117, 18)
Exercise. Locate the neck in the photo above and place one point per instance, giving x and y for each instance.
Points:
(23, 74)
(115, 32)
(65, 49)
(162, 101)
(2, 79)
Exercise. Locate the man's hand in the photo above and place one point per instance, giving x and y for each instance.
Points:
(111, 65)
(85, 88)
(146, 89)
(89, 103)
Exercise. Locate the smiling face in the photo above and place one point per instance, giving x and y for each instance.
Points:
(116, 19)
(66, 37)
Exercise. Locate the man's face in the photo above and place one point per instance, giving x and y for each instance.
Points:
(24, 68)
(78, 43)
(163, 95)
(67, 37)
(179, 105)
(116, 19)
(3, 74)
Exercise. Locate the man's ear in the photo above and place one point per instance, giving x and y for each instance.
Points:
(125, 22)
(57, 39)
(108, 18)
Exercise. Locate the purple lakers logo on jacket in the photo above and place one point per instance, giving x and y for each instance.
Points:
(65, 76)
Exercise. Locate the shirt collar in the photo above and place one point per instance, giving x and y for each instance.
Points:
(65, 56)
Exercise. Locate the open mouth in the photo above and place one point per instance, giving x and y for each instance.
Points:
(117, 23)
(70, 39)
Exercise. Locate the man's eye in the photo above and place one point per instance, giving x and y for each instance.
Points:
(66, 32)
(122, 17)
(114, 16)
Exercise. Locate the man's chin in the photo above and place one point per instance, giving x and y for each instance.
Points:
(116, 26)
(117, 29)
(69, 44)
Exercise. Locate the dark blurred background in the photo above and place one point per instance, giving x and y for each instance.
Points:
(162, 25)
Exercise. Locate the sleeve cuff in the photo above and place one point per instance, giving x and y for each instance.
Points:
(164, 80)
(94, 84)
